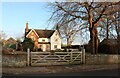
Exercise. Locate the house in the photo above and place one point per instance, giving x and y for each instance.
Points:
(3, 42)
(109, 46)
(11, 43)
(45, 40)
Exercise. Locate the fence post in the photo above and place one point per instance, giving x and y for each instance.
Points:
(71, 55)
(83, 55)
(28, 57)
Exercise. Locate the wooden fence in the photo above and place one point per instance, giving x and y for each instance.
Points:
(55, 58)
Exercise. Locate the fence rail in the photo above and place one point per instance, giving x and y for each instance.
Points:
(54, 58)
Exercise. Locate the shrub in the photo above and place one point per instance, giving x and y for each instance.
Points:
(13, 46)
(65, 50)
(28, 43)
(7, 45)
(57, 50)
(35, 48)
(19, 47)
(39, 49)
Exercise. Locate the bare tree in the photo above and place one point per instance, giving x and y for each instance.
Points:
(69, 31)
(91, 13)
(110, 26)
(117, 23)
(2, 35)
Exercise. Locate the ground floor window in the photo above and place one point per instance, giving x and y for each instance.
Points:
(47, 47)
(55, 46)
(40, 46)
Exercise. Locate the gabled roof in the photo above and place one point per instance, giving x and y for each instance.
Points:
(11, 40)
(43, 33)
(109, 41)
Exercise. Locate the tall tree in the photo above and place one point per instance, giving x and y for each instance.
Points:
(91, 13)
(110, 26)
(69, 31)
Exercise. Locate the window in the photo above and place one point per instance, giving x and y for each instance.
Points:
(40, 46)
(32, 37)
(56, 39)
(43, 40)
(55, 46)
(32, 33)
(48, 47)
(56, 34)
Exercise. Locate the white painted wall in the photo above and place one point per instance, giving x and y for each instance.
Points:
(54, 42)
(46, 39)
(44, 47)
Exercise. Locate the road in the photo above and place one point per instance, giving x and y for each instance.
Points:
(108, 72)
(74, 70)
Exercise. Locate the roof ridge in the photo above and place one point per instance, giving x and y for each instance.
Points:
(43, 33)
(43, 29)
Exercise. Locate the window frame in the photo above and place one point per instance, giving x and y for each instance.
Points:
(55, 46)
(43, 40)
(32, 37)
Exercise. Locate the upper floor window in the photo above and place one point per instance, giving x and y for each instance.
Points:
(43, 40)
(56, 34)
(56, 39)
(32, 37)
(32, 33)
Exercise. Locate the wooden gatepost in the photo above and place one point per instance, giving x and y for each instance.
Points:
(83, 55)
(28, 57)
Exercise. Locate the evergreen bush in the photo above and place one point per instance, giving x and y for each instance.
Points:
(28, 43)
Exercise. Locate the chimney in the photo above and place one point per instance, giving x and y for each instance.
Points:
(26, 29)
(57, 27)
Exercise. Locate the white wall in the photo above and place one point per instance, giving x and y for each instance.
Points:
(54, 42)
(44, 47)
(46, 39)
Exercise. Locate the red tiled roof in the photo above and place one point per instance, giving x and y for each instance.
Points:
(109, 41)
(43, 33)
(11, 40)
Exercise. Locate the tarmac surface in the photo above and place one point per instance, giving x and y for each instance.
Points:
(74, 70)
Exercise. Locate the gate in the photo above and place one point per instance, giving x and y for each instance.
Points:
(55, 58)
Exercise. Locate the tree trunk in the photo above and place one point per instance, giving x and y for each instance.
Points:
(92, 40)
(67, 41)
(92, 33)
(96, 40)
(107, 30)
